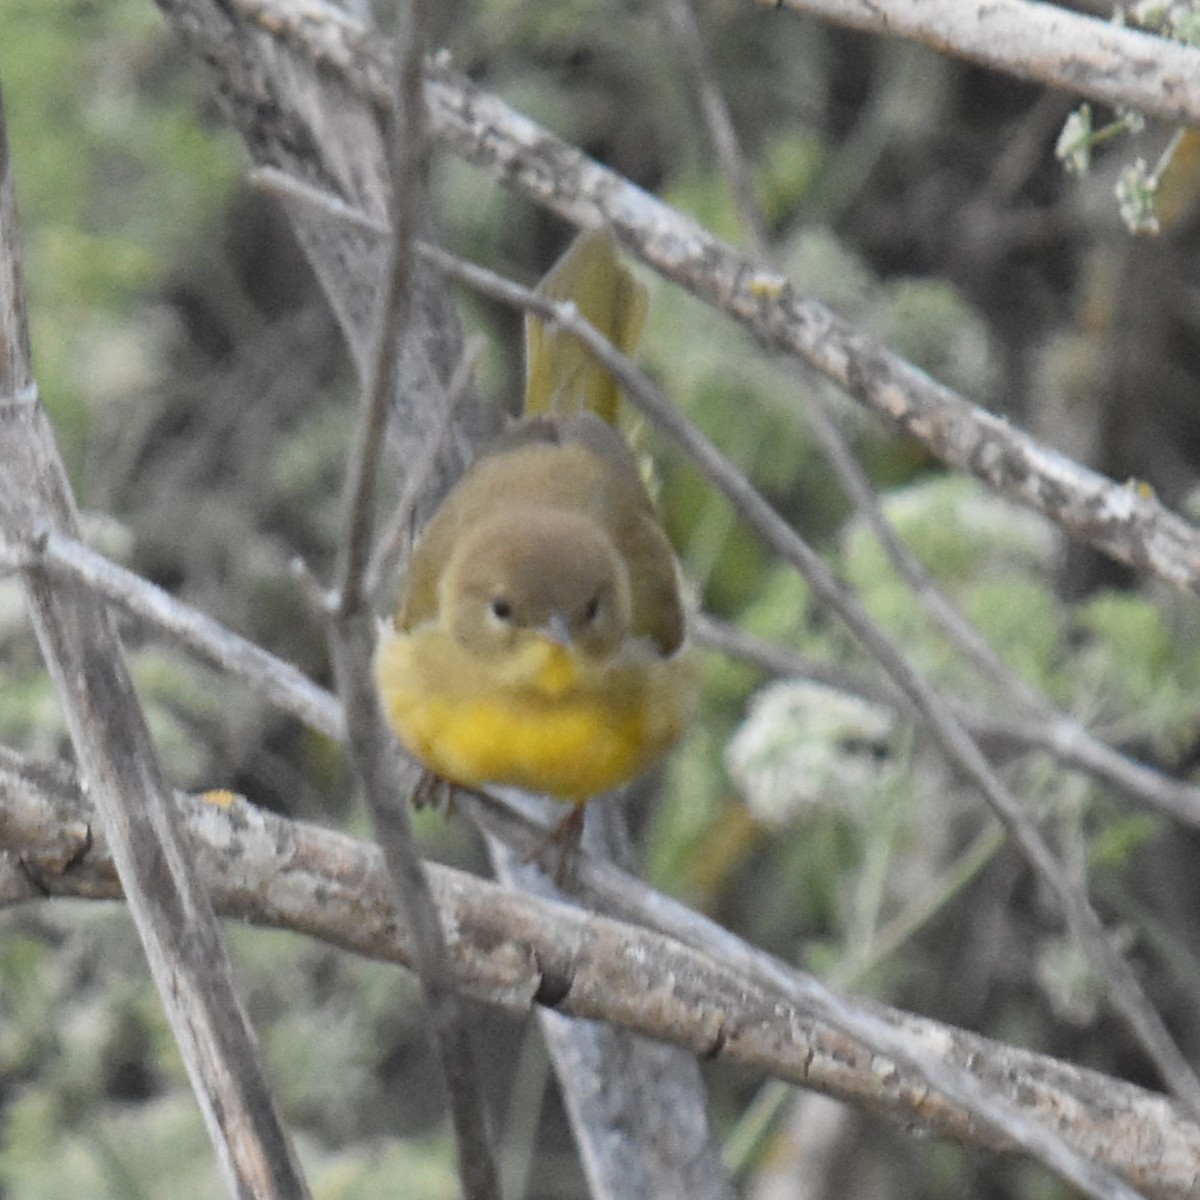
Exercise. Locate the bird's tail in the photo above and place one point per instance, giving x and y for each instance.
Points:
(562, 379)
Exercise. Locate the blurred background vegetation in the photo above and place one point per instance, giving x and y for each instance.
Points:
(204, 401)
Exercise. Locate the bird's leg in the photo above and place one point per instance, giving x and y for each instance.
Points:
(566, 836)
(433, 790)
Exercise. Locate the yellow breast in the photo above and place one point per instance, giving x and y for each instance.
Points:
(583, 730)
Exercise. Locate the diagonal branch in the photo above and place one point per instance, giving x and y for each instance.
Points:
(515, 950)
(1124, 989)
(1125, 521)
(1095, 58)
(649, 907)
(167, 901)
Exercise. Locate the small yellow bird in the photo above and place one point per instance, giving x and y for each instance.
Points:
(539, 639)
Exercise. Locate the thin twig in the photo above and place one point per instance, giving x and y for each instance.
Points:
(922, 910)
(961, 633)
(398, 527)
(373, 750)
(391, 327)
(278, 682)
(784, 662)
(688, 38)
(723, 135)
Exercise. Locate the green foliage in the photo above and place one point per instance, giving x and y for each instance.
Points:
(1139, 670)
(928, 322)
(699, 190)
(991, 558)
(1132, 632)
(787, 168)
(83, 1026)
(781, 607)
(179, 695)
(116, 177)
(80, 1018)
(694, 798)
(139, 1153)
(1178, 19)
(1023, 622)
(422, 1167)
(29, 713)
(831, 270)
(26, 1034)
(1114, 845)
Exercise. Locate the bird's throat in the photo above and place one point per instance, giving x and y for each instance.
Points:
(554, 670)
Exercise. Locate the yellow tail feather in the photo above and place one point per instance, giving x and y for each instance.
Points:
(561, 376)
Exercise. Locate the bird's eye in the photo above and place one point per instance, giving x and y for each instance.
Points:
(592, 611)
(501, 608)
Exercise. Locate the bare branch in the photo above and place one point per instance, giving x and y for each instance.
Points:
(398, 527)
(1125, 521)
(278, 682)
(945, 615)
(1093, 57)
(407, 171)
(167, 901)
(515, 950)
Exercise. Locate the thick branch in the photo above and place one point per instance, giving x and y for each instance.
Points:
(1126, 521)
(1093, 57)
(514, 950)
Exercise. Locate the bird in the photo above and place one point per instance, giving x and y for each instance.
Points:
(539, 639)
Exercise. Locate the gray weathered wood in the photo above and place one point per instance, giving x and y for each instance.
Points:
(121, 772)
